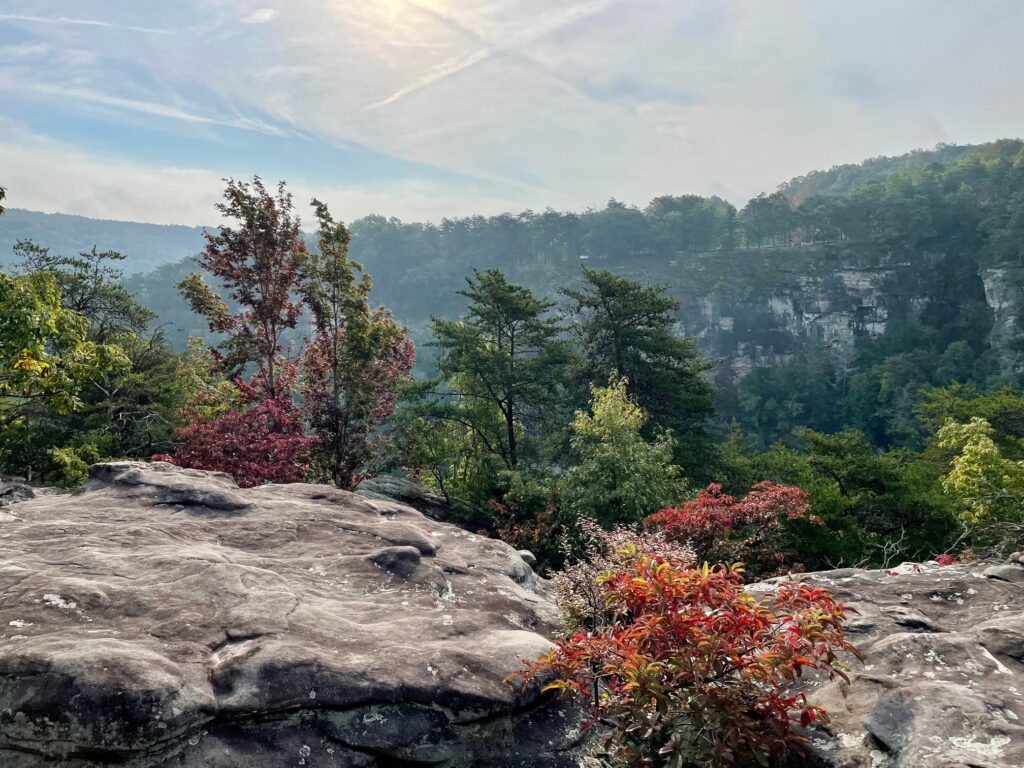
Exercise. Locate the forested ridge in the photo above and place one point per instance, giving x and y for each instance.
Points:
(844, 292)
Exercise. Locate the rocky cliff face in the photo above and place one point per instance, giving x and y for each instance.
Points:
(758, 308)
(1004, 293)
(163, 617)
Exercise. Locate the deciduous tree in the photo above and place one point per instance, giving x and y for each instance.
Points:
(723, 528)
(258, 262)
(620, 477)
(353, 367)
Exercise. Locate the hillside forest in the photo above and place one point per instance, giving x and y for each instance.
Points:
(616, 366)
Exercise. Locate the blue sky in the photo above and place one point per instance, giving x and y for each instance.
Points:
(424, 108)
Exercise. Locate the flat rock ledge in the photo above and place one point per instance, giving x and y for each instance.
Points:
(942, 680)
(164, 617)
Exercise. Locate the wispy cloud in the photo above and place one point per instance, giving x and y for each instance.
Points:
(83, 23)
(453, 66)
(152, 108)
(260, 16)
(539, 103)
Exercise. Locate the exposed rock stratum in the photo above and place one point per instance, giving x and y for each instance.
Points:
(165, 617)
(942, 680)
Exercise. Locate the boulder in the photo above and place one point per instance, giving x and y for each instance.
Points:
(163, 617)
(14, 491)
(941, 684)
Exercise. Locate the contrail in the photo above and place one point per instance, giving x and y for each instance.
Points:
(453, 66)
(150, 108)
(82, 22)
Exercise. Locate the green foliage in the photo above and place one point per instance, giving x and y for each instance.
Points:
(74, 462)
(89, 285)
(620, 477)
(105, 387)
(876, 508)
(989, 486)
(504, 365)
(626, 329)
(1002, 409)
(355, 364)
(46, 358)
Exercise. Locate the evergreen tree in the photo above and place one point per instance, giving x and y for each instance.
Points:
(505, 354)
(626, 328)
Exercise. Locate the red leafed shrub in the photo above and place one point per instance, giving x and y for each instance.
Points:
(262, 444)
(691, 670)
(722, 528)
(945, 560)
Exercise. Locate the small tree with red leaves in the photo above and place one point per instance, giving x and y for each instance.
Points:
(264, 443)
(689, 670)
(258, 263)
(723, 528)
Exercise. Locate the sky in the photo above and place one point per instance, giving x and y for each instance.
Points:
(136, 110)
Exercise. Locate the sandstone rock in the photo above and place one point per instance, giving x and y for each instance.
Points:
(942, 680)
(528, 557)
(1005, 572)
(396, 487)
(12, 492)
(162, 617)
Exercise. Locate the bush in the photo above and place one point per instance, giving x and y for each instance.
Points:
(264, 444)
(591, 552)
(687, 669)
(722, 528)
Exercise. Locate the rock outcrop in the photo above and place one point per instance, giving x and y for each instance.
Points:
(12, 492)
(397, 487)
(941, 684)
(165, 617)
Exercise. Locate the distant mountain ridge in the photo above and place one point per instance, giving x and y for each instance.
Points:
(840, 180)
(150, 246)
(145, 246)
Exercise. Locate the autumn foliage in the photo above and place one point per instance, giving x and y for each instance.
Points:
(349, 373)
(265, 443)
(723, 528)
(690, 670)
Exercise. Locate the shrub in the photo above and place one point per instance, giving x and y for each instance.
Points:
(689, 670)
(722, 528)
(263, 444)
(590, 552)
